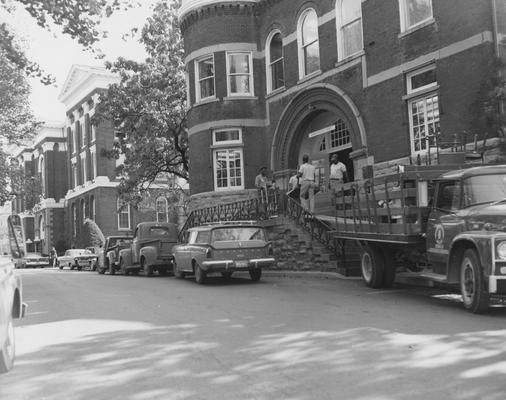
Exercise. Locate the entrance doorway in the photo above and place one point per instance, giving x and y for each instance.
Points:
(344, 157)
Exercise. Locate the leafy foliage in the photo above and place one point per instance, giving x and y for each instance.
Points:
(92, 235)
(148, 108)
(18, 182)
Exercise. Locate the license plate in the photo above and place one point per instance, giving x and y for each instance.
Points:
(241, 264)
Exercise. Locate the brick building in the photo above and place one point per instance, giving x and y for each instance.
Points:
(374, 81)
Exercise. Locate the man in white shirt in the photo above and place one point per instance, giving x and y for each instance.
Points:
(338, 175)
(307, 178)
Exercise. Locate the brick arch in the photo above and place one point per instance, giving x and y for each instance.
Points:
(307, 104)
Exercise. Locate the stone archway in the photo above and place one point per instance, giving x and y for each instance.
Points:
(306, 106)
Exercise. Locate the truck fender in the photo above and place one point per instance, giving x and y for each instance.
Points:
(126, 256)
(149, 253)
(479, 242)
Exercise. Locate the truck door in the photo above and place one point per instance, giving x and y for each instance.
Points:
(444, 223)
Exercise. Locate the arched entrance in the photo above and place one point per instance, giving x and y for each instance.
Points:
(320, 121)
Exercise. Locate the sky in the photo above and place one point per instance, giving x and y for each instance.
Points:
(56, 53)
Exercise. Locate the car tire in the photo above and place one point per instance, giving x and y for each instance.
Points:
(177, 273)
(200, 275)
(124, 270)
(148, 269)
(255, 274)
(227, 274)
(112, 270)
(472, 283)
(372, 265)
(8, 347)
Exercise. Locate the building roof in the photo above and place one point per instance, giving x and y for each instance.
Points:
(191, 5)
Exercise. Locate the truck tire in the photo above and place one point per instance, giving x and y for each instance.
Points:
(7, 348)
(390, 268)
(148, 269)
(177, 273)
(124, 270)
(200, 275)
(472, 283)
(372, 265)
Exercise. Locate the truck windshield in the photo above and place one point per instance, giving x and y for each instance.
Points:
(484, 189)
(238, 233)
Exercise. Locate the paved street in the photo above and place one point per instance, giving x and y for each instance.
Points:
(89, 336)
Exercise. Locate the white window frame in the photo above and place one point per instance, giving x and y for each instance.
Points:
(341, 26)
(83, 209)
(75, 174)
(269, 64)
(75, 148)
(424, 97)
(119, 204)
(301, 48)
(403, 10)
(197, 79)
(227, 142)
(166, 206)
(93, 163)
(83, 167)
(250, 74)
(410, 75)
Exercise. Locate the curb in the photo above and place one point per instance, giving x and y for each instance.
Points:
(306, 274)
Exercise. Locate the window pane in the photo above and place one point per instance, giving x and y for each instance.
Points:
(418, 11)
(423, 79)
(239, 63)
(309, 29)
(207, 88)
(312, 58)
(226, 136)
(228, 168)
(424, 122)
(350, 10)
(352, 38)
(276, 48)
(206, 68)
(277, 75)
(240, 84)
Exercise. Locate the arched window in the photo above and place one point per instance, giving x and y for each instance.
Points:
(275, 62)
(123, 210)
(162, 209)
(309, 45)
(349, 28)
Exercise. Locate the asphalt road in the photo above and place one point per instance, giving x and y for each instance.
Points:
(90, 336)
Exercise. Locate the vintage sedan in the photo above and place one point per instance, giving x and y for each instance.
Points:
(34, 260)
(223, 248)
(77, 258)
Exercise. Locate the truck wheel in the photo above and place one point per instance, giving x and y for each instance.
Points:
(112, 270)
(148, 269)
(390, 268)
(177, 273)
(200, 275)
(255, 274)
(124, 270)
(472, 285)
(372, 264)
(7, 349)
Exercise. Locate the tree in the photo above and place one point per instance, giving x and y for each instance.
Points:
(78, 18)
(148, 108)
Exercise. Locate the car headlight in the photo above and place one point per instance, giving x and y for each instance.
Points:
(501, 250)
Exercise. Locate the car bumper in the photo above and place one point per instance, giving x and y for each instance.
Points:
(497, 284)
(236, 265)
(33, 264)
(84, 263)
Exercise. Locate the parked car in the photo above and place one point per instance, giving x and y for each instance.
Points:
(77, 258)
(223, 248)
(95, 251)
(108, 256)
(34, 260)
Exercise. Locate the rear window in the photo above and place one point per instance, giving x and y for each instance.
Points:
(163, 231)
(237, 233)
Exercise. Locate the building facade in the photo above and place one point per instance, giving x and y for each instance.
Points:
(375, 81)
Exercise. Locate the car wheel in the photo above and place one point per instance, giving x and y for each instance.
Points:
(255, 274)
(111, 269)
(124, 270)
(177, 273)
(148, 269)
(472, 285)
(7, 350)
(200, 275)
(227, 274)
(372, 264)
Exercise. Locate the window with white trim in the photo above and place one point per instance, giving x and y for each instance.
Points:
(228, 158)
(204, 78)
(240, 74)
(308, 43)
(340, 135)
(75, 176)
(123, 211)
(162, 209)
(349, 28)
(414, 12)
(275, 62)
(84, 171)
(83, 209)
(423, 110)
(93, 164)
(74, 220)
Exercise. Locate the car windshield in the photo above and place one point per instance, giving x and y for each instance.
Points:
(78, 252)
(163, 231)
(484, 189)
(238, 233)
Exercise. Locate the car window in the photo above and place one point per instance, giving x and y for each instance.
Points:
(163, 231)
(202, 237)
(237, 233)
(449, 196)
